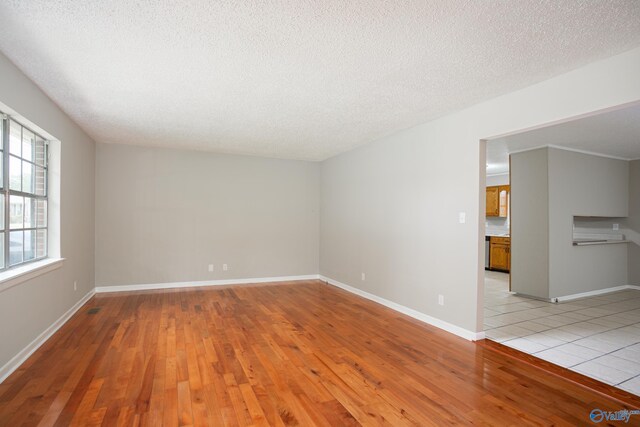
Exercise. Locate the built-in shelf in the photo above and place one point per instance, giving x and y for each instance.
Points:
(587, 239)
(597, 242)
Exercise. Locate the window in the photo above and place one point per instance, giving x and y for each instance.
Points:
(23, 198)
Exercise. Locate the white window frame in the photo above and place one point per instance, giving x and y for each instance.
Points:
(6, 192)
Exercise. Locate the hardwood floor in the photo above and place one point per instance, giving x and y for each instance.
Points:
(301, 353)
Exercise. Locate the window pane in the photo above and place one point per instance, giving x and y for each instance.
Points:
(1, 250)
(15, 173)
(16, 212)
(41, 181)
(29, 245)
(29, 212)
(41, 213)
(28, 140)
(28, 178)
(25, 166)
(41, 243)
(40, 152)
(15, 138)
(15, 247)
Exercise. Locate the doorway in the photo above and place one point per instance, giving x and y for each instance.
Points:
(583, 322)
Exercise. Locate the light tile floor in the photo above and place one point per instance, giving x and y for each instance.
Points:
(597, 336)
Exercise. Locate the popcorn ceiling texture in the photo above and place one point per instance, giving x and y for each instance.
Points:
(295, 79)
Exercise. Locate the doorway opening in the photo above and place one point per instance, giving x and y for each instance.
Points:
(562, 244)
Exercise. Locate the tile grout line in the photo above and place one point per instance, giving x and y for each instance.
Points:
(559, 314)
(564, 342)
(558, 305)
(628, 379)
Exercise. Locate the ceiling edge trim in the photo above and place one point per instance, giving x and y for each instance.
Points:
(574, 150)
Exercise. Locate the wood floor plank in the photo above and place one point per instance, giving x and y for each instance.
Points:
(185, 412)
(86, 404)
(293, 353)
(170, 408)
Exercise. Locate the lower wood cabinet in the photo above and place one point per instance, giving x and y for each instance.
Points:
(500, 253)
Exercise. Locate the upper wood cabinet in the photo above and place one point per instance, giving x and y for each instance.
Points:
(498, 200)
(493, 201)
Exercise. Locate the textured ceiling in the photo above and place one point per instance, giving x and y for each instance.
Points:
(615, 133)
(295, 79)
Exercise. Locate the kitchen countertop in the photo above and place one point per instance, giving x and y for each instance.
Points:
(489, 234)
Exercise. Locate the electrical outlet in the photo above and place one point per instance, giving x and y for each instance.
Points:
(210, 267)
(75, 285)
(364, 277)
(225, 267)
(616, 227)
(441, 299)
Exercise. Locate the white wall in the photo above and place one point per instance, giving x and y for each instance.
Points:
(164, 215)
(29, 308)
(390, 208)
(493, 180)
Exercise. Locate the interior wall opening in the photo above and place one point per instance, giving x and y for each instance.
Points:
(561, 244)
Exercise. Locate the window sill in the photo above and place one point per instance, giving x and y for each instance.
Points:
(15, 276)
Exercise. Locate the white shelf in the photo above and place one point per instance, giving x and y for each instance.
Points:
(597, 242)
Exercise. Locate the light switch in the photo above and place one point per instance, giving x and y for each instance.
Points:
(462, 217)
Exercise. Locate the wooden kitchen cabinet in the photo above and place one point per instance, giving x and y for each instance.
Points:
(498, 201)
(493, 201)
(500, 253)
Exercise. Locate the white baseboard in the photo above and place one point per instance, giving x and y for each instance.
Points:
(223, 282)
(472, 336)
(461, 332)
(24, 354)
(594, 293)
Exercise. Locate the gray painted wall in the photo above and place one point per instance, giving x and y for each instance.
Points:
(550, 187)
(165, 215)
(584, 185)
(530, 223)
(391, 212)
(28, 309)
(633, 223)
